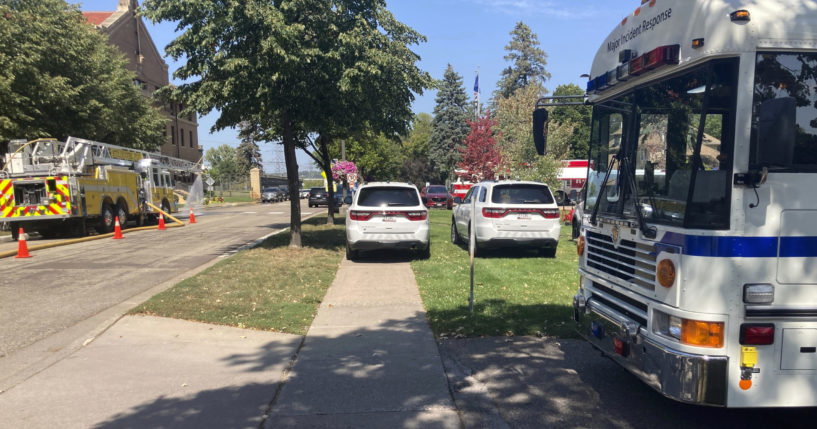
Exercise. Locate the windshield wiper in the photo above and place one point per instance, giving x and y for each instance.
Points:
(602, 189)
(648, 231)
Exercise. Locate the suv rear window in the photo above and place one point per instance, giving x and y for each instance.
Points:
(317, 191)
(521, 194)
(385, 196)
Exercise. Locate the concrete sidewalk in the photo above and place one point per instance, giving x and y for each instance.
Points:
(369, 358)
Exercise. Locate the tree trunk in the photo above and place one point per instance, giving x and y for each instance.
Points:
(294, 186)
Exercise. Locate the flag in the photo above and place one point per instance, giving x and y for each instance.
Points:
(476, 87)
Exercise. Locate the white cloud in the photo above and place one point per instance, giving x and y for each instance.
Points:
(561, 9)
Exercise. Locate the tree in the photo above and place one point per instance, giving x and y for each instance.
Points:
(528, 62)
(450, 125)
(223, 163)
(248, 156)
(302, 73)
(416, 167)
(59, 77)
(377, 157)
(480, 156)
(513, 117)
(576, 120)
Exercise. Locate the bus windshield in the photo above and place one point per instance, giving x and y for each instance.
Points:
(664, 170)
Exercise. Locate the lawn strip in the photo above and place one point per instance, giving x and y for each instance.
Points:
(271, 287)
(518, 292)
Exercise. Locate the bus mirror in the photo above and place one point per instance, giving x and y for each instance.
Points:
(776, 129)
(540, 130)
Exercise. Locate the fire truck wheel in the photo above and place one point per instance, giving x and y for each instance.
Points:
(122, 214)
(105, 223)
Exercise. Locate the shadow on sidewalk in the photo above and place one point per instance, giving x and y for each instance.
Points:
(392, 370)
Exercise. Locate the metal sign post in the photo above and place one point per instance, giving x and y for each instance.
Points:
(472, 248)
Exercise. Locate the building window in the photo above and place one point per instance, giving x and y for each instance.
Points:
(181, 136)
(173, 135)
(191, 140)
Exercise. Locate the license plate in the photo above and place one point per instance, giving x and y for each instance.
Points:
(389, 219)
(523, 217)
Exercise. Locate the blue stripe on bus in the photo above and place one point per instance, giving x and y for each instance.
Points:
(730, 247)
(798, 247)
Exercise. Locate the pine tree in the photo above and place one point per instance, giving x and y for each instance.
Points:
(528, 62)
(248, 156)
(450, 126)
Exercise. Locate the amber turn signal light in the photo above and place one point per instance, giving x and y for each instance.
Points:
(580, 245)
(665, 272)
(702, 334)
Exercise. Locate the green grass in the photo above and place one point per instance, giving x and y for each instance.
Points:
(271, 287)
(517, 292)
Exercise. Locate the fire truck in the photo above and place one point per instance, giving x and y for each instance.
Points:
(53, 187)
(698, 244)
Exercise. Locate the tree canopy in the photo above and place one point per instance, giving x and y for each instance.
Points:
(576, 120)
(223, 163)
(480, 156)
(248, 156)
(59, 77)
(449, 127)
(528, 60)
(293, 69)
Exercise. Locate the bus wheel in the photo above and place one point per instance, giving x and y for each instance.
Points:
(105, 223)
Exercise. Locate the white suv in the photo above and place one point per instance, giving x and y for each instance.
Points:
(509, 213)
(386, 215)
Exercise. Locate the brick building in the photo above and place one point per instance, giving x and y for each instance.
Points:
(126, 31)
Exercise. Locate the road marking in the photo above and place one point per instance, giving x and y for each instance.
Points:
(306, 213)
(249, 212)
(276, 212)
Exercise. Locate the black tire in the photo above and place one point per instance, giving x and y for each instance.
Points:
(576, 228)
(426, 252)
(455, 236)
(105, 223)
(122, 214)
(48, 232)
(549, 252)
(351, 255)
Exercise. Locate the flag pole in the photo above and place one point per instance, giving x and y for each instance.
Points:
(476, 95)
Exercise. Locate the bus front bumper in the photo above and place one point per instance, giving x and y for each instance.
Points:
(684, 377)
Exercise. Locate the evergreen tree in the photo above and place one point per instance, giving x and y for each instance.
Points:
(449, 127)
(248, 156)
(528, 62)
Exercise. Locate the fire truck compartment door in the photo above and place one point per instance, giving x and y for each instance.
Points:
(799, 349)
(796, 263)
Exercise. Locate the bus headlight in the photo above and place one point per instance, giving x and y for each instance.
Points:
(758, 294)
(687, 331)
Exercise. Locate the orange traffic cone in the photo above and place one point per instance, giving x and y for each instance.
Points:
(22, 249)
(161, 223)
(192, 216)
(117, 230)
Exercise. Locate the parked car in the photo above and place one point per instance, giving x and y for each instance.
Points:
(285, 191)
(318, 196)
(508, 213)
(386, 215)
(437, 196)
(303, 193)
(271, 195)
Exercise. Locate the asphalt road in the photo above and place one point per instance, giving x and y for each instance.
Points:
(62, 286)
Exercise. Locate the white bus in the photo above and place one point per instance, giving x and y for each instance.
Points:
(698, 248)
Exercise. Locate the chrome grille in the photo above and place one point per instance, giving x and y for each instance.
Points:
(630, 261)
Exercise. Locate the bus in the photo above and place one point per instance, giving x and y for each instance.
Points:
(698, 244)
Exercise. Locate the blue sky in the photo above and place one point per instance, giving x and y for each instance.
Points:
(468, 34)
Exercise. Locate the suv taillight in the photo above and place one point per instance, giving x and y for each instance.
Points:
(418, 215)
(357, 215)
(494, 213)
(550, 213)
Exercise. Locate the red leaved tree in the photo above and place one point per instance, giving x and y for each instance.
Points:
(481, 155)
